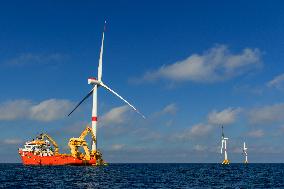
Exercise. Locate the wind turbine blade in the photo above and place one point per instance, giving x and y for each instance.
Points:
(87, 96)
(106, 87)
(222, 146)
(100, 67)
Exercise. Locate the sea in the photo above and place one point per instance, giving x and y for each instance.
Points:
(144, 176)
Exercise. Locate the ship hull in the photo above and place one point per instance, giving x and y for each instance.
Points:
(28, 158)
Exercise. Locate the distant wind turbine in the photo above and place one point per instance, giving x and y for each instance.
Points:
(245, 153)
(224, 146)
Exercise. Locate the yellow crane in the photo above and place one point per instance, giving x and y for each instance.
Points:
(41, 138)
(75, 143)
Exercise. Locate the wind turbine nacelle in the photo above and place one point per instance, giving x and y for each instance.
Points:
(93, 81)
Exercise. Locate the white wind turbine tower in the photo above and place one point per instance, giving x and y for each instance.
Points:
(224, 146)
(245, 153)
(96, 83)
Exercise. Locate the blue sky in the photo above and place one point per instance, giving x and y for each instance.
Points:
(189, 66)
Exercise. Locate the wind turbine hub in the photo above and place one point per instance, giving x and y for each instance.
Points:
(93, 81)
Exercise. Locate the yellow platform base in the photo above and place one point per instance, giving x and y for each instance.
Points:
(226, 162)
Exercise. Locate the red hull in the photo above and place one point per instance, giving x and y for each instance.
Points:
(29, 158)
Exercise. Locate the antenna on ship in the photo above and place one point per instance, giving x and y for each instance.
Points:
(224, 147)
(96, 83)
(245, 153)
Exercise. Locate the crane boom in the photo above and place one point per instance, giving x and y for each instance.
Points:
(75, 143)
(43, 135)
(85, 132)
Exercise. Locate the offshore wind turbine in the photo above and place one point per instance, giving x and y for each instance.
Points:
(245, 153)
(224, 146)
(97, 83)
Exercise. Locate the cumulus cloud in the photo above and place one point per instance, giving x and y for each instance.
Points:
(216, 64)
(267, 114)
(168, 109)
(277, 82)
(47, 110)
(224, 117)
(115, 116)
(169, 122)
(197, 130)
(15, 109)
(199, 148)
(200, 130)
(12, 141)
(256, 133)
(117, 147)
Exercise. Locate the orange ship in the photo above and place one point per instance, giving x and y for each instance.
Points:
(41, 152)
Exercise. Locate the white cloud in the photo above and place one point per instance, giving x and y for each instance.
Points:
(115, 116)
(216, 64)
(224, 117)
(50, 110)
(15, 109)
(200, 130)
(277, 82)
(200, 148)
(12, 141)
(169, 109)
(117, 147)
(256, 133)
(151, 136)
(267, 114)
(197, 130)
(237, 150)
(169, 122)
(47, 110)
